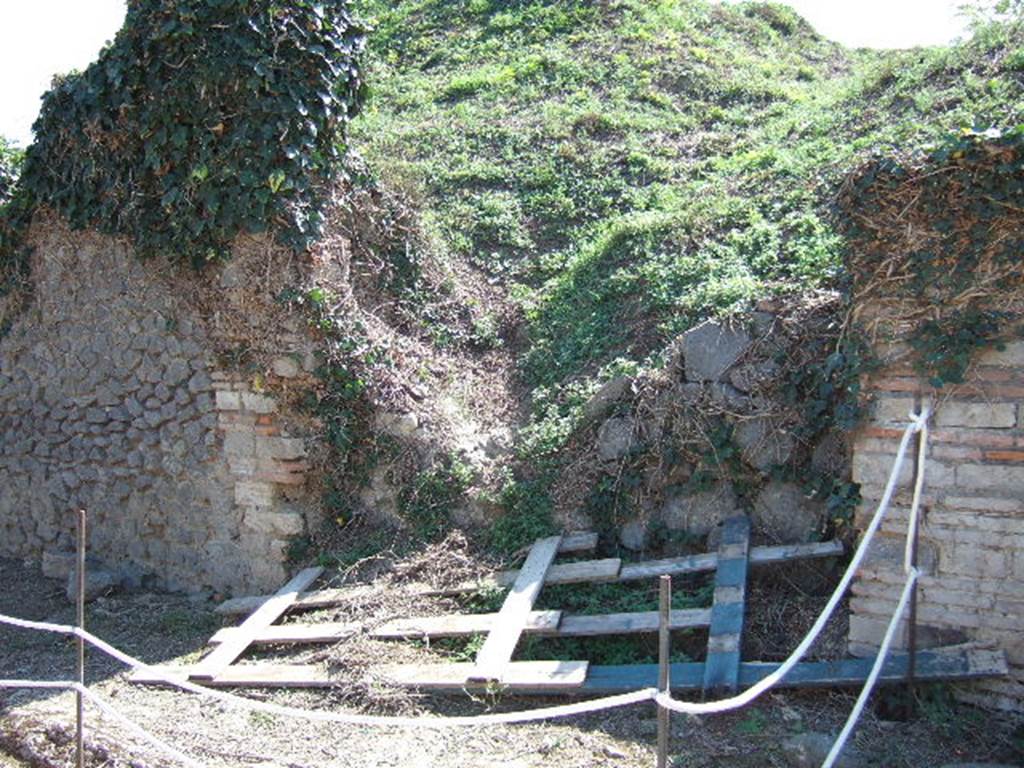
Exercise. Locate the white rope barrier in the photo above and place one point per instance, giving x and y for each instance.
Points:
(106, 709)
(876, 670)
(918, 424)
(723, 705)
(912, 576)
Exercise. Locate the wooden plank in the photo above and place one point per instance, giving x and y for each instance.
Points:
(461, 625)
(936, 664)
(534, 676)
(225, 653)
(544, 623)
(610, 569)
(722, 663)
(585, 571)
(674, 566)
(293, 634)
(501, 642)
(643, 622)
(580, 541)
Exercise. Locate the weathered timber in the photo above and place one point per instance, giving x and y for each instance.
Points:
(674, 566)
(956, 663)
(497, 650)
(610, 570)
(722, 663)
(216, 662)
(461, 625)
(293, 634)
(534, 676)
(936, 664)
(544, 623)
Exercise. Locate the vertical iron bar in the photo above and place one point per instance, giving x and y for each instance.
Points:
(664, 648)
(79, 703)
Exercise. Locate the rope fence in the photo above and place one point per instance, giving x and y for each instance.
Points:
(664, 699)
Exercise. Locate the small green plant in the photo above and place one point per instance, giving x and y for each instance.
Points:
(427, 503)
(527, 516)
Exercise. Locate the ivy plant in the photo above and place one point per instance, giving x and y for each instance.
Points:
(203, 119)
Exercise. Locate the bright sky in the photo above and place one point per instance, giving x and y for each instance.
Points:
(40, 38)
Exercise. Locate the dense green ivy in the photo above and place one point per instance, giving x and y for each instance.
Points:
(10, 162)
(203, 119)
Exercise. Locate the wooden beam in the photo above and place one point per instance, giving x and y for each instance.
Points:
(675, 566)
(936, 664)
(222, 656)
(644, 622)
(501, 642)
(543, 623)
(535, 676)
(725, 636)
(461, 625)
(293, 634)
(608, 570)
(956, 663)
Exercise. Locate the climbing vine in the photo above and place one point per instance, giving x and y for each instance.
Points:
(203, 119)
(941, 238)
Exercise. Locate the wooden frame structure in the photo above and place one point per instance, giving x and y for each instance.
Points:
(722, 672)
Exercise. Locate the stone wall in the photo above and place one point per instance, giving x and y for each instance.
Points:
(112, 400)
(972, 527)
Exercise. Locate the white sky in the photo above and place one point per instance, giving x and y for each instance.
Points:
(39, 38)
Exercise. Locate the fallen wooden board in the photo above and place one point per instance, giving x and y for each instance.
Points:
(544, 623)
(628, 623)
(540, 676)
(461, 625)
(536, 676)
(225, 653)
(674, 566)
(294, 634)
(725, 634)
(938, 664)
(507, 627)
(609, 570)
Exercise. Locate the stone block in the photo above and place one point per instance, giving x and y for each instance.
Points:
(277, 524)
(286, 367)
(615, 438)
(975, 560)
(606, 396)
(697, 513)
(253, 493)
(891, 409)
(1011, 355)
(634, 535)
(711, 348)
(786, 515)
(990, 477)
(257, 403)
(955, 413)
(57, 565)
(763, 445)
(284, 448)
(238, 443)
(228, 401)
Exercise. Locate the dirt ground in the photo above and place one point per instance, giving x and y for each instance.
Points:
(36, 728)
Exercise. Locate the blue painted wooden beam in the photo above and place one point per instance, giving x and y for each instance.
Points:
(725, 634)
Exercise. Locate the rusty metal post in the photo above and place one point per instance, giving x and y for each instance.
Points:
(664, 649)
(79, 700)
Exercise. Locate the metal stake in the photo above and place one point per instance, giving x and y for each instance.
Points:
(79, 701)
(664, 648)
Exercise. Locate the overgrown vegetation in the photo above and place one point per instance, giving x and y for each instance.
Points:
(628, 168)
